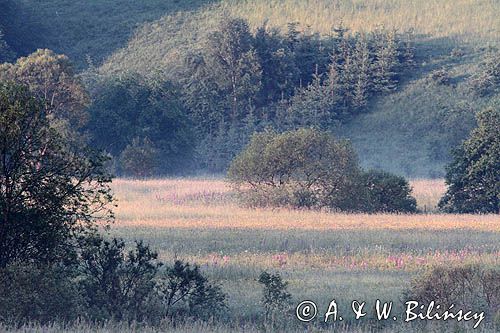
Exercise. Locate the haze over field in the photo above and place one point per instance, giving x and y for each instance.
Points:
(199, 166)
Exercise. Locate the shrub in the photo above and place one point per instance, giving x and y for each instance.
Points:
(276, 299)
(440, 76)
(467, 287)
(487, 79)
(187, 293)
(473, 177)
(139, 158)
(385, 192)
(30, 293)
(116, 285)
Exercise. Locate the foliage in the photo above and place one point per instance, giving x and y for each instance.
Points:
(187, 293)
(139, 158)
(467, 287)
(386, 192)
(473, 177)
(42, 294)
(487, 80)
(116, 285)
(128, 108)
(302, 168)
(50, 77)
(276, 299)
(50, 192)
(308, 168)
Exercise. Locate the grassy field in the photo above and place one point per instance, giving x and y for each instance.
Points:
(98, 28)
(323, 255)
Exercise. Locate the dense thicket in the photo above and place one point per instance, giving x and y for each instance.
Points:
(308, 168)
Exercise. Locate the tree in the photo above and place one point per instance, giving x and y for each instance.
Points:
(362, 80)
(386, 61)
(276, 298)
(116, 284)
(128, 107)
(387, 193)
(279, 69)
(186, 291)
(50, 77)
(234, 65)
(473, 177)
(50, 192)
(302, 168)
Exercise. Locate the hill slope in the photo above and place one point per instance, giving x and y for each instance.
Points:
(409, 132)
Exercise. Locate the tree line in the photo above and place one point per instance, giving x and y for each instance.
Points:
(241, 81)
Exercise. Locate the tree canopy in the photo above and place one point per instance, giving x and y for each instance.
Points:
(50, 192)
(473, 177)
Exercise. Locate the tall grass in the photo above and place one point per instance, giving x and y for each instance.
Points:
(471, 21)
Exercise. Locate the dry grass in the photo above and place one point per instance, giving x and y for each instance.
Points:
(207, 204)
(467, 20)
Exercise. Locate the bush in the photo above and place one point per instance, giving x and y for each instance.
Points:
(473, 177)
(29, 293)
(118, 286)
(307, 168)
(187, 293)
(487, 79)
(139, 158)
(385, 192)
(276, 299)
(467, 287)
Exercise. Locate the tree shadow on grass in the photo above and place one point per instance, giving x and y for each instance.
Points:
(81, 29)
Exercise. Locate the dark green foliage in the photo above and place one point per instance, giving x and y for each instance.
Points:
(473, 178)
(467, 287)
(278, 64)
(386, 192)
(227, 75)
(187, 293)
(126, 108)
(276, 299)
(116, 285)
(44, 294)
(139, 159)
(50, 192)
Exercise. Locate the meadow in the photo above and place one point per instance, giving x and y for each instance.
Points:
(323, 255)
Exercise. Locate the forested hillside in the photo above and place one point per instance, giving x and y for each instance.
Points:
(185, 83)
